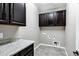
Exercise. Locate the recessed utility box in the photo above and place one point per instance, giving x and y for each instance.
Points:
(56, 43)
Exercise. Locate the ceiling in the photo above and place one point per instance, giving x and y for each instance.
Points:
(49, 6)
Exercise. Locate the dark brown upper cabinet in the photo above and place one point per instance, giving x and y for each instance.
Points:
(4, 13)
(17, 14)
(13, 13)
(51, 19)
(57, 18)
(61, 18)
(43, 20)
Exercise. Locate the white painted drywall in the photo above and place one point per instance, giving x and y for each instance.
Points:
(50, 34)
(8, 31)
(31, 31)
(70, 32)
(77, 27)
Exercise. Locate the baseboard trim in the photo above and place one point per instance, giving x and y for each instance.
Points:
(66, 51)
(36, 46)
(52, 46)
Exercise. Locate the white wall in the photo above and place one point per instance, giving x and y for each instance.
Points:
(31, 31)
(56, 33)
(77, 27)
(70, 32)
(8, 31)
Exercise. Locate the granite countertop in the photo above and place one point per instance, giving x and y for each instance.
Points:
(14, 47)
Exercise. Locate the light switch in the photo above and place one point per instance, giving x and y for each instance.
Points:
(1, 35)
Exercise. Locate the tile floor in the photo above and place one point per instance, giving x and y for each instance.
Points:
(49, 51)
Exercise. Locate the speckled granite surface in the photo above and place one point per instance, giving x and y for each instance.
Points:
(14, 47)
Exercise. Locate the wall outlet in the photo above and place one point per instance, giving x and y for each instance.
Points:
(1, 35)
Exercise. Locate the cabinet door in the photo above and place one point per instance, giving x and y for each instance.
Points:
(1, 5)
(18, 14)
(43, 21)
(64, 17)
(47, 19)
(51, 19)
(60, 18)
(4, 13)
